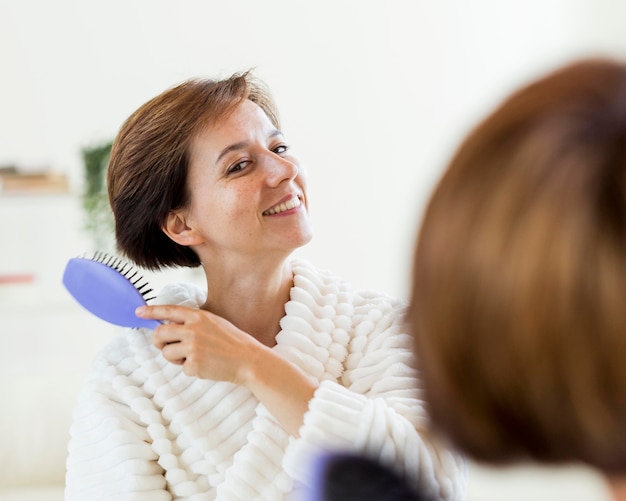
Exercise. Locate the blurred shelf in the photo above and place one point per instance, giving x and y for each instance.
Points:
(14, 183)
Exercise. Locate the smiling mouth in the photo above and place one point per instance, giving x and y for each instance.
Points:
(292, 203)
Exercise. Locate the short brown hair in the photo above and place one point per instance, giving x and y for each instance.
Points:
(147, 172)
(518, 304)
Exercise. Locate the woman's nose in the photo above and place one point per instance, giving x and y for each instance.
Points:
(280, 169)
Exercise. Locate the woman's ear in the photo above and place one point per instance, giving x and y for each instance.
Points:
(177, 229)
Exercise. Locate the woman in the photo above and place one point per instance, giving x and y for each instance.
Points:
(276, 361)
(518, 303)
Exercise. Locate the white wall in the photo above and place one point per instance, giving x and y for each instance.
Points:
(374, 94)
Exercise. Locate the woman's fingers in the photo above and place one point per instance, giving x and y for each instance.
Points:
(168, 312)
(174, 353)
(176, 317)
(167, 334)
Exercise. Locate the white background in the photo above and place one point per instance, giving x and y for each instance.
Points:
(374, 94)
(374, 97)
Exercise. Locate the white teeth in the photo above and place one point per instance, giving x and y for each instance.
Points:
(289, 204)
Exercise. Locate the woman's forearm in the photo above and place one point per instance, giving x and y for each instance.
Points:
(283, 388)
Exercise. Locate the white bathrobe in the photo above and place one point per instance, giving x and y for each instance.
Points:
(143, 430)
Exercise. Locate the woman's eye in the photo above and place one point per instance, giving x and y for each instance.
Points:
(280, 149)
(238, 167)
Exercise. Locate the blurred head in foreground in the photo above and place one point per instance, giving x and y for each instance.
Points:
(518, 304)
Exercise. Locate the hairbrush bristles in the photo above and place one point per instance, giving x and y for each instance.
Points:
(109, 288)
(126, 269)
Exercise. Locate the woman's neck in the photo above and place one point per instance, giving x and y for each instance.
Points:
(252, 298)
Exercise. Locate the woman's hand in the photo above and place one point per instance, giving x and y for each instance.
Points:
(210, 347)
(206, 345)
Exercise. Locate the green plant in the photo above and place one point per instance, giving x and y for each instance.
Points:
(98, 215)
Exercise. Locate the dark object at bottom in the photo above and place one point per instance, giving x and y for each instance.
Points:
(352, 478)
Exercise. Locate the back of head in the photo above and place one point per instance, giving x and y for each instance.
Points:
(519, 296)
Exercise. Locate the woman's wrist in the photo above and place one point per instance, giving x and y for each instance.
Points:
(280, 386)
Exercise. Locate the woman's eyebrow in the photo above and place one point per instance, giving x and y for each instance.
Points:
(233, 147)
(275, 133)
(243, 144)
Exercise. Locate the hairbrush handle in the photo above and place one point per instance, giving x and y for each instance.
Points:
(106, 292)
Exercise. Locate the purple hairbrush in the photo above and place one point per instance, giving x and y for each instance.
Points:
(109, 288)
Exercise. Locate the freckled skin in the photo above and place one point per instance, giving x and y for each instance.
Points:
(227, 208)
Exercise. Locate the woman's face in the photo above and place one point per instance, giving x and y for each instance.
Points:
(248, 194)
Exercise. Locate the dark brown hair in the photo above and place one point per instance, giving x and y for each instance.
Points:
(518, 305)
(147, 172)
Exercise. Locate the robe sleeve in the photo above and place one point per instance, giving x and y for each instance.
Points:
(374, 409)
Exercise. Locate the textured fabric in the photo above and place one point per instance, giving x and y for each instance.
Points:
(143, 430)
